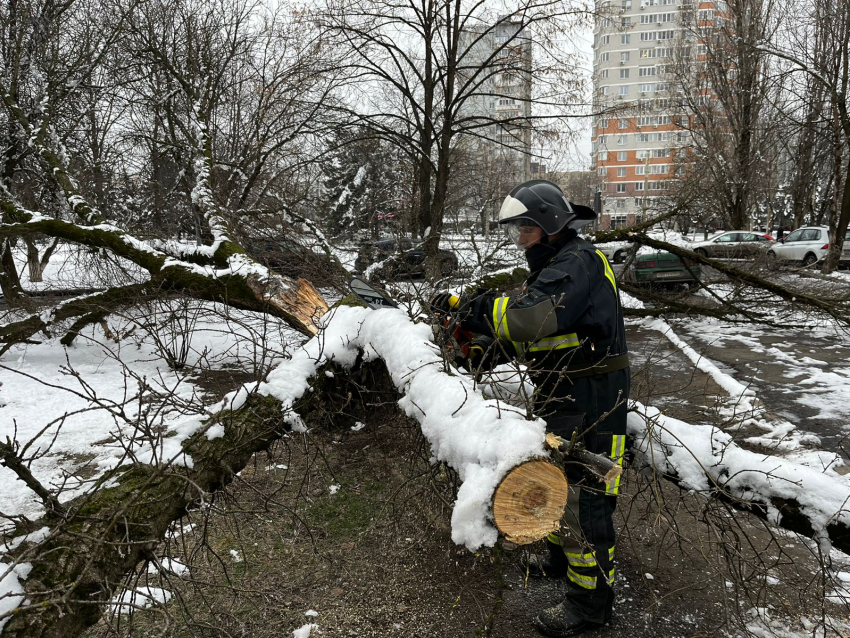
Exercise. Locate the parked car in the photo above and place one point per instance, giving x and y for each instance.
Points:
(664, 268)
(402, 257)
(615, 251)
(735, 244)
(807, 246)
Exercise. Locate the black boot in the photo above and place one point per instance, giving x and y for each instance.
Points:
(553, 564)
(560, 620)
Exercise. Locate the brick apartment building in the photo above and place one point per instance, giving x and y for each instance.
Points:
(641, 125)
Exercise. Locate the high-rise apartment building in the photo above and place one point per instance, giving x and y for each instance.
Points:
(638, 127)
(503, 100)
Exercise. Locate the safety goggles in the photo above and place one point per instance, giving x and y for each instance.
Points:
(523, 233)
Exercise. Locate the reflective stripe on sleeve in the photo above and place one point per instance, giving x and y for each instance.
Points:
(611, 553)
(609, 273)
(618, 447)
(588, 582)
(500, 321)
(554, 538)
(555, 342)
(611, 575)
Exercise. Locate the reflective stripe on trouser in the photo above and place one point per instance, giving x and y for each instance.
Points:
(587, 529)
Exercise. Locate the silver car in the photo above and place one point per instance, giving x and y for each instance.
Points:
(807, 245)
(735, 244)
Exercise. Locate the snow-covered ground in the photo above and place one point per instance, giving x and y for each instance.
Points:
(80, 408)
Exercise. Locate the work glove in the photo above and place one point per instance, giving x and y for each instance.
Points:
(444, 303)
(480, 353)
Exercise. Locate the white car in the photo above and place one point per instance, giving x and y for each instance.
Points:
(615, 251)
(807, 245)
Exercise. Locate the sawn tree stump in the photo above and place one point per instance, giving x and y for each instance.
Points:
(529, 502)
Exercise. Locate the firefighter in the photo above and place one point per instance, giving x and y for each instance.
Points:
(567, 325)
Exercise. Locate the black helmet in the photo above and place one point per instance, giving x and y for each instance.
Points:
(542, 203)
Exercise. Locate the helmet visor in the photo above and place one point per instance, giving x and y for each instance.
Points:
(524, 233)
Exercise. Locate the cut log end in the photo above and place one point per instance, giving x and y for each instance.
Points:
(530, 501)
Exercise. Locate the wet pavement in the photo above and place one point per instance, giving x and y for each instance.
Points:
(800, 375)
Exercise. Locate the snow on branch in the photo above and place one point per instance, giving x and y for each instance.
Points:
(227, 275)
(481, 439)
(815, 501)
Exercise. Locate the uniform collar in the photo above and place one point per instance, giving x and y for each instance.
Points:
(539, 255)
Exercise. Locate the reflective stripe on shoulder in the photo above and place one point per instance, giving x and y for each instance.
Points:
(555, 342)
(609, 273)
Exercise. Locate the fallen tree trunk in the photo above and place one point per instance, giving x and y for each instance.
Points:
(94, 541)
(97, 539)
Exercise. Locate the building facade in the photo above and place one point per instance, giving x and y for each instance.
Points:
(640, 124)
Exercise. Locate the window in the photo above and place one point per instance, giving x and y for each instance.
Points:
(624, 90)
(626, 38)
(647, 53)
(621, 172)
(642, 154)
(604, 57)
(622, 124)
(664, 137)
(647, 18)
(606, 39)
(662, 119)
(638, 186)
(627, 4)
(662, 86)
(604, 90)
(646, 88)
(648, 36)
(646, 71)
(643, 138)
(603, 123)
(621, 188)
(706, 14)
(664, 52)
(666, 17)
(797, 235)
(602, 140)
(624, 74)
(661, 152)
(810, 234)
(602, 156)
(603, 74)
(666, 35)
(602, 171)
(625, 21)
(622, 139)
(644, 120)
(640, 170)
(624, 57)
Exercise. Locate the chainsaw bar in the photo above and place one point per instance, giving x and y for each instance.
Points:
(370, 296)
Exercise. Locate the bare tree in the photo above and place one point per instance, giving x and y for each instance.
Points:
(431, 74)
(727, 90)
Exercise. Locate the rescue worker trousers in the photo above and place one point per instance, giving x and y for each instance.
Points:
(587, 529)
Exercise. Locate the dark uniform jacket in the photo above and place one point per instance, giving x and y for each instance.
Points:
(567, 324)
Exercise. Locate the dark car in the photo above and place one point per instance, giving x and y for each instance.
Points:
(664, 268)
(400, 256)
